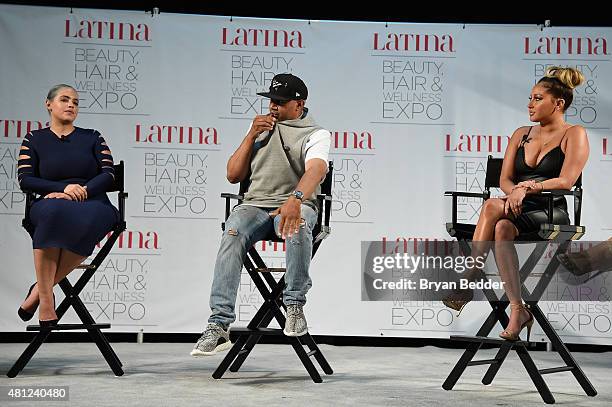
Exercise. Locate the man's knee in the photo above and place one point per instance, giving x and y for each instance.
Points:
(304, 233)
(232, 237)
(232, 232)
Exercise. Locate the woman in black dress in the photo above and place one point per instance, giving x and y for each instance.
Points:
(547, 156)
(70, 169)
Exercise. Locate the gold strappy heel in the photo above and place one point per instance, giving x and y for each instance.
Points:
(514, 336)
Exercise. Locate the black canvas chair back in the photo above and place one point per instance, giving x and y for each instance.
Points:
(72, 292)
(494, 167)
(271, 290)
(548, 232)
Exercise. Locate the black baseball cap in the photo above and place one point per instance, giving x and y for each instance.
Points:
(286, 86)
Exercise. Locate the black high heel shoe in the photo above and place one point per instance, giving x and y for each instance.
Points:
(26, 315)
(23, 314)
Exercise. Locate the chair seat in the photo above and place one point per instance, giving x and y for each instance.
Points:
(548, 231)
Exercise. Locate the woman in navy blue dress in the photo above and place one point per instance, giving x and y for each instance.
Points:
(71, 169)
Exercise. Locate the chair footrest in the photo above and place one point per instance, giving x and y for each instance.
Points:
(270, 270)
(486, 339)
(69, 327)
(556, 369)
(483, 362)
(257, 331)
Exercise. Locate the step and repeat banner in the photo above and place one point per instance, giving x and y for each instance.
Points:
(413, 109)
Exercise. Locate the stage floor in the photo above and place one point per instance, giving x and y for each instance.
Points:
(164, 374)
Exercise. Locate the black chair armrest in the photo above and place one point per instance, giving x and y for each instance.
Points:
(482, 195)
(558, 192)
(227, 195)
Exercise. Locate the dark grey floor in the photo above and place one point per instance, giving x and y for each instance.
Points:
(163, 374)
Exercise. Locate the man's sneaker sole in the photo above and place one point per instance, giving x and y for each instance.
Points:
(304, 332)
(220, 348)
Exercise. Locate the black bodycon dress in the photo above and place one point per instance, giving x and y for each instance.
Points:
(535, 208)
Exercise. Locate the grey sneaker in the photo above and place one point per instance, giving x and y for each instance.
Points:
(213, 340)
(295, 325)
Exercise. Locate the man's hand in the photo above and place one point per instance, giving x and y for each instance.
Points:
(239, 163)
(262, 123)
(291, 217)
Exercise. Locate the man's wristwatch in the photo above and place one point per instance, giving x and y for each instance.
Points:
(298, 194)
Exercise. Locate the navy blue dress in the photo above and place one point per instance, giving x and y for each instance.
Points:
(48, 164)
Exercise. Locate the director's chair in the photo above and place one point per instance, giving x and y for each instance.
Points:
(261, 275)
(558, 235)
(72, 292)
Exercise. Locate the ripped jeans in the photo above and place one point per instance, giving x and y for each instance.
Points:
(245, 226)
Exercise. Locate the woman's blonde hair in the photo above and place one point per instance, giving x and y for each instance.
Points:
(570, 77)
(560, 82)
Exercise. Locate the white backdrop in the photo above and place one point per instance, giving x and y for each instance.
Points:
(414, 110)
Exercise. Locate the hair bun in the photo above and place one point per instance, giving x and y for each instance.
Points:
(569, 77)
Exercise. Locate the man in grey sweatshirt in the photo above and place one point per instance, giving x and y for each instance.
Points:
(284, 155)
